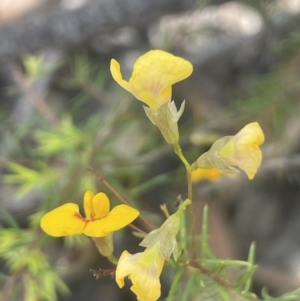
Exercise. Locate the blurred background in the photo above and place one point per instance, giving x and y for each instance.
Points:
(61, 113)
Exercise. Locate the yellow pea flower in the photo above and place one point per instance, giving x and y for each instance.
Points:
(153, 75)
(143, 269)
(99, 221)
(241, 150)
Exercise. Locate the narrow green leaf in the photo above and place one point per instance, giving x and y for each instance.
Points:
(251, 258)
(205, 249)
(9, 219)
(175, 283)
(189, 287)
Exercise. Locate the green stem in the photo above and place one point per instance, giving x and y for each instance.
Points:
(178, 151)
(188, 167)
(183, 231)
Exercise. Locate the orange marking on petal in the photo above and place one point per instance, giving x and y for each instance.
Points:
(78, 215)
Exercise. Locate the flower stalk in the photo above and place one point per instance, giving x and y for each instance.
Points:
(188, 167)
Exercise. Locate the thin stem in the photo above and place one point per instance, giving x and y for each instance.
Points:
(9, 285)
(205, 271)
(188, 167)
(114, 191)
(137, 229)
(216, 278)
(178, 151)
(192, 213)
(35, 98)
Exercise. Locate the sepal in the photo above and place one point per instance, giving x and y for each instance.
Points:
(165, 236)
(211, 158)
(105, 245)
(166, 118)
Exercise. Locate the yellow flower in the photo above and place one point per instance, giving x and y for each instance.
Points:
(99, 221)
(143, 269)
(243, 150)
(210, 174)
(153, 75)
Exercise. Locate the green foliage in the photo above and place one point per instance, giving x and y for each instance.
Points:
(34, 66)
(84, 74)
(211, 278)
(55, 160)
(66, 138)
(57, 163)
(28, 178)
(28, 266)
(294, 295)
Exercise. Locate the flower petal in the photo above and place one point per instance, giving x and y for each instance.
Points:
(63, 221)
(155, 72)
(158, 70)
(249, 161)
(143, 269)
(119, 217)
(243, 150)
(101, 205)
(153, 75)
(146, 283)
(87, 204)
(115, 70)
(123, 268)
(201, 174)
(140, 93)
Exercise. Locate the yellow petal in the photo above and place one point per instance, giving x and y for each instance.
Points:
(143, 269)
(250, 134)
(145, 285)
(87, 204)
(119, 217)
(123, 269)
(205, 174)
(101, 205)
(243, 150)
(63, 221)
(141, 94)
(249, 161)
(153, 75)
(115, 70)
